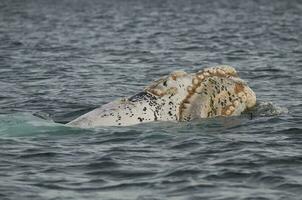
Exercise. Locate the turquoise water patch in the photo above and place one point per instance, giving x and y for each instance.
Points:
(22, 124)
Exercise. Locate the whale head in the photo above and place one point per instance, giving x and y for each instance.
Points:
(210, 92)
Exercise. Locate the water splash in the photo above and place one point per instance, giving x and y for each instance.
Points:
(267, 109)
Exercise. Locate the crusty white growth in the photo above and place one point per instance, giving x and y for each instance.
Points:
(215, 91)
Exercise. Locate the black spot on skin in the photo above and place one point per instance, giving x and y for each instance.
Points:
(170, 103)
(155, 117)
(144, 109)
(142, 96)
(119, 124)
(187, 118)
(140, 119)
(209, 114)
(165, 83)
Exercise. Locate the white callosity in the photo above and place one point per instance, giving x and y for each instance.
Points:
(216, 91)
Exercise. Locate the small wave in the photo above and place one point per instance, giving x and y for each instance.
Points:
(184, 172)
(294, 131)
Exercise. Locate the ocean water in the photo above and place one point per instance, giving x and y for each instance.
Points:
(62, 58)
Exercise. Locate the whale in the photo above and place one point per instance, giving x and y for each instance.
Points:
(179, 96)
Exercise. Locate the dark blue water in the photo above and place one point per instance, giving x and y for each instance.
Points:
(59, 59)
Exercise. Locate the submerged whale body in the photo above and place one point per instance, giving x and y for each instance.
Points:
(180, 96)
